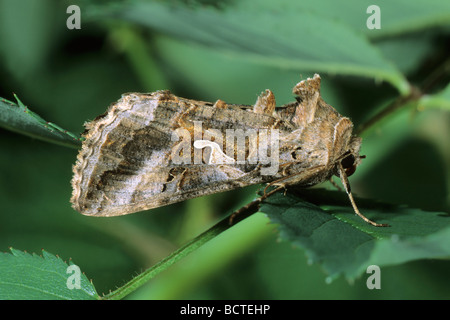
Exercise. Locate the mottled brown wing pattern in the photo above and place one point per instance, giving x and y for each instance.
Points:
(150, 150)
(125, 163)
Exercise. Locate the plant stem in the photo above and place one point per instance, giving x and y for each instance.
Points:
(401, 101)
(19, 118)
(180, 253)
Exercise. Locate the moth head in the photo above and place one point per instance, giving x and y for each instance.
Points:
(351, 158)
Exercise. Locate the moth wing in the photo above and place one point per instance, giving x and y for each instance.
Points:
(126, 166)
(166, 185)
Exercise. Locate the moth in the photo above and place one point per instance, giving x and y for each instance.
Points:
(152, 150)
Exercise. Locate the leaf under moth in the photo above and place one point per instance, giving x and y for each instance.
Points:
(20, 119)
(25, 276)
(323, 224)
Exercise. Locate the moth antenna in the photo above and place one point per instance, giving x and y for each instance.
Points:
(346, 184)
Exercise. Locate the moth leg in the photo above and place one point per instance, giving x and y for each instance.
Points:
(297, 178)
(335, 184)
(346, 184)
(285, 168)
(276, 183)
(253, 206)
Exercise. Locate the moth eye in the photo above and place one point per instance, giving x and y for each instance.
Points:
(348, 163)
(350, 171)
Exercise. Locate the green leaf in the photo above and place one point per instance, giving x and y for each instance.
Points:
(293, 39)
(19, 118)
(24, 49)
(26, 276)
(440, 100)
(403, 16)
(342, 243)
(397, 16)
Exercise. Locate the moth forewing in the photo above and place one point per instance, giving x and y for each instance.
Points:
(151, 150)
(141, 154)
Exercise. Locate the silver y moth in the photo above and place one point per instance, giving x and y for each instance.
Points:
(151, 150)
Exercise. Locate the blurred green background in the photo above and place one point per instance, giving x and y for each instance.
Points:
(71, 76)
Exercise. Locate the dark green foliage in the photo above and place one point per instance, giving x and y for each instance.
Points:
(392, 83)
